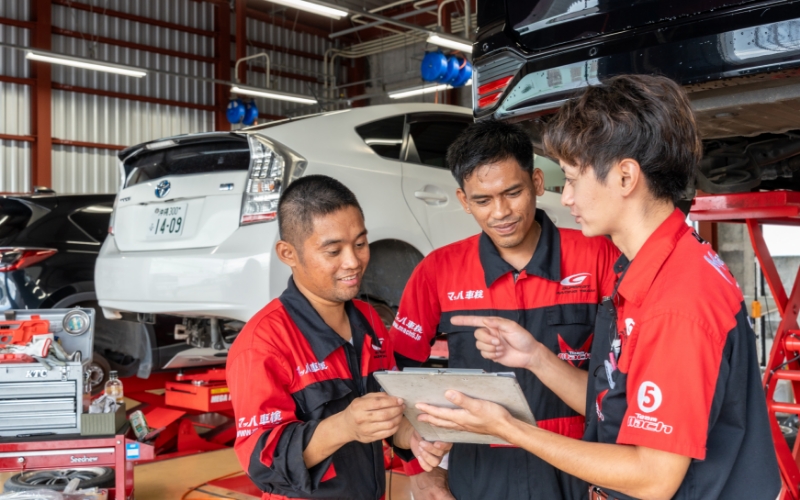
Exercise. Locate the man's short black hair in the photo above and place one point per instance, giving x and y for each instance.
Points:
(646, 118)
(487, 142)
(308, 197)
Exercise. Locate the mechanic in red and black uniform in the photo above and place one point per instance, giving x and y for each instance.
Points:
(673, 397)
(521, 267)
(309, 416)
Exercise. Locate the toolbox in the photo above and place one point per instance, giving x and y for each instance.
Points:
(46, 397)
(206, 392)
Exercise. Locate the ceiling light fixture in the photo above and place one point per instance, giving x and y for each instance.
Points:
(78, 62)
(422, 89)
(450, 42)
(273, 94)
(313, 7)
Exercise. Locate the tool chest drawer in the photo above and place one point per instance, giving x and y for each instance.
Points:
(34, 399)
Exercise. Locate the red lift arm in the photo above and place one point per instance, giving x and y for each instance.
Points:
(755, 209)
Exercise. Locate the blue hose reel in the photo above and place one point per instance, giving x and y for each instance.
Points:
(241, 112)
(453, 70)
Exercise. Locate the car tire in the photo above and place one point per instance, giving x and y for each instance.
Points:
(98, 371)
(385, 312)
(57, 479)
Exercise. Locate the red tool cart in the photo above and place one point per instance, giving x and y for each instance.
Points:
(755, 209)
(64, 452)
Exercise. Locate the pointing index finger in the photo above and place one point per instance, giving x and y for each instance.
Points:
(477, 321)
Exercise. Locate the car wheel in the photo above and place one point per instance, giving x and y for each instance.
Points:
(97, 373)
(385, 312)
(57, 479)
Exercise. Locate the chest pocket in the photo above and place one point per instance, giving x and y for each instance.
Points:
(323, 399)
(569, 332)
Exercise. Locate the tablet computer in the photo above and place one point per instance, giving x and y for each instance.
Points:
(428, 385)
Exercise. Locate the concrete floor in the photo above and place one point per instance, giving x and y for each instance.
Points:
(172, 479)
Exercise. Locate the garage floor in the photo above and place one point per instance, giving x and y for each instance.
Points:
(172, 479)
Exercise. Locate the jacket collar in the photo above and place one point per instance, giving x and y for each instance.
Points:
(546, 260)
(642, 271)
(321, 337)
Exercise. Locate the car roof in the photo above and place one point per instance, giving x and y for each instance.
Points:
(367, 114)
(343, 119)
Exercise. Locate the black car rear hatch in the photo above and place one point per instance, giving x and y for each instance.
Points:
(541, 24)
(15, 215)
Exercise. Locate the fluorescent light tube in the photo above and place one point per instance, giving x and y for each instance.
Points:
(422, 89)
(316, 8)
(450, 43)
(273, 94)
(84, 63)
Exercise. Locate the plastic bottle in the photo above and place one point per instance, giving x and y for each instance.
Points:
(114, 387)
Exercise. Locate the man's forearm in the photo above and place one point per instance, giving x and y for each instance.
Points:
(402, 438)
(326, 440)
(618, 467)
(566, 381)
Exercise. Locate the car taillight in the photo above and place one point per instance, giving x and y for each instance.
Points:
(12, 259)
(499, 84)
(491, 80)
(271, 167)
(488, 100)
(111, 218)
(489, 93)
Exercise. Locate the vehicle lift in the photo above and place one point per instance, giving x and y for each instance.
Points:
(199, 397)
(755, 209)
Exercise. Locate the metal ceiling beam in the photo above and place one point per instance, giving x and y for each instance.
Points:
(378, 23)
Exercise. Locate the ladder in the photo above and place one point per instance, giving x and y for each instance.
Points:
(755, 209)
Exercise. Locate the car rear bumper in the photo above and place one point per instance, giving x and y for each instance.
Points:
(234, 280)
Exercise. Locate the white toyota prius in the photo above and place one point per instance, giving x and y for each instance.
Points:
(193, 231)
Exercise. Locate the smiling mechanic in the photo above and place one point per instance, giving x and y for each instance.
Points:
(310, 419)
(521, 267)
(673, 396)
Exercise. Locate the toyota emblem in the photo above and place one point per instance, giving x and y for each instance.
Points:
(163, 188)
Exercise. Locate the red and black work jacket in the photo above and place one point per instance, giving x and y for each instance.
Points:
(555, 297)
(287, 371)
(685, 377)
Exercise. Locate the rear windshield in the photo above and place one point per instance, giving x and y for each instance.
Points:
(13, 219)
(197, 158)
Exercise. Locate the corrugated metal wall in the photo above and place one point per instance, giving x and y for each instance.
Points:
(87, 118)
(15, 101)
(99, 119)
(260, 31)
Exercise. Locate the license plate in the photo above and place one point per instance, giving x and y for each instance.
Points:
(166, 221)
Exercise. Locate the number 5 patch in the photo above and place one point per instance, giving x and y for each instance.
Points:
(649, 398)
